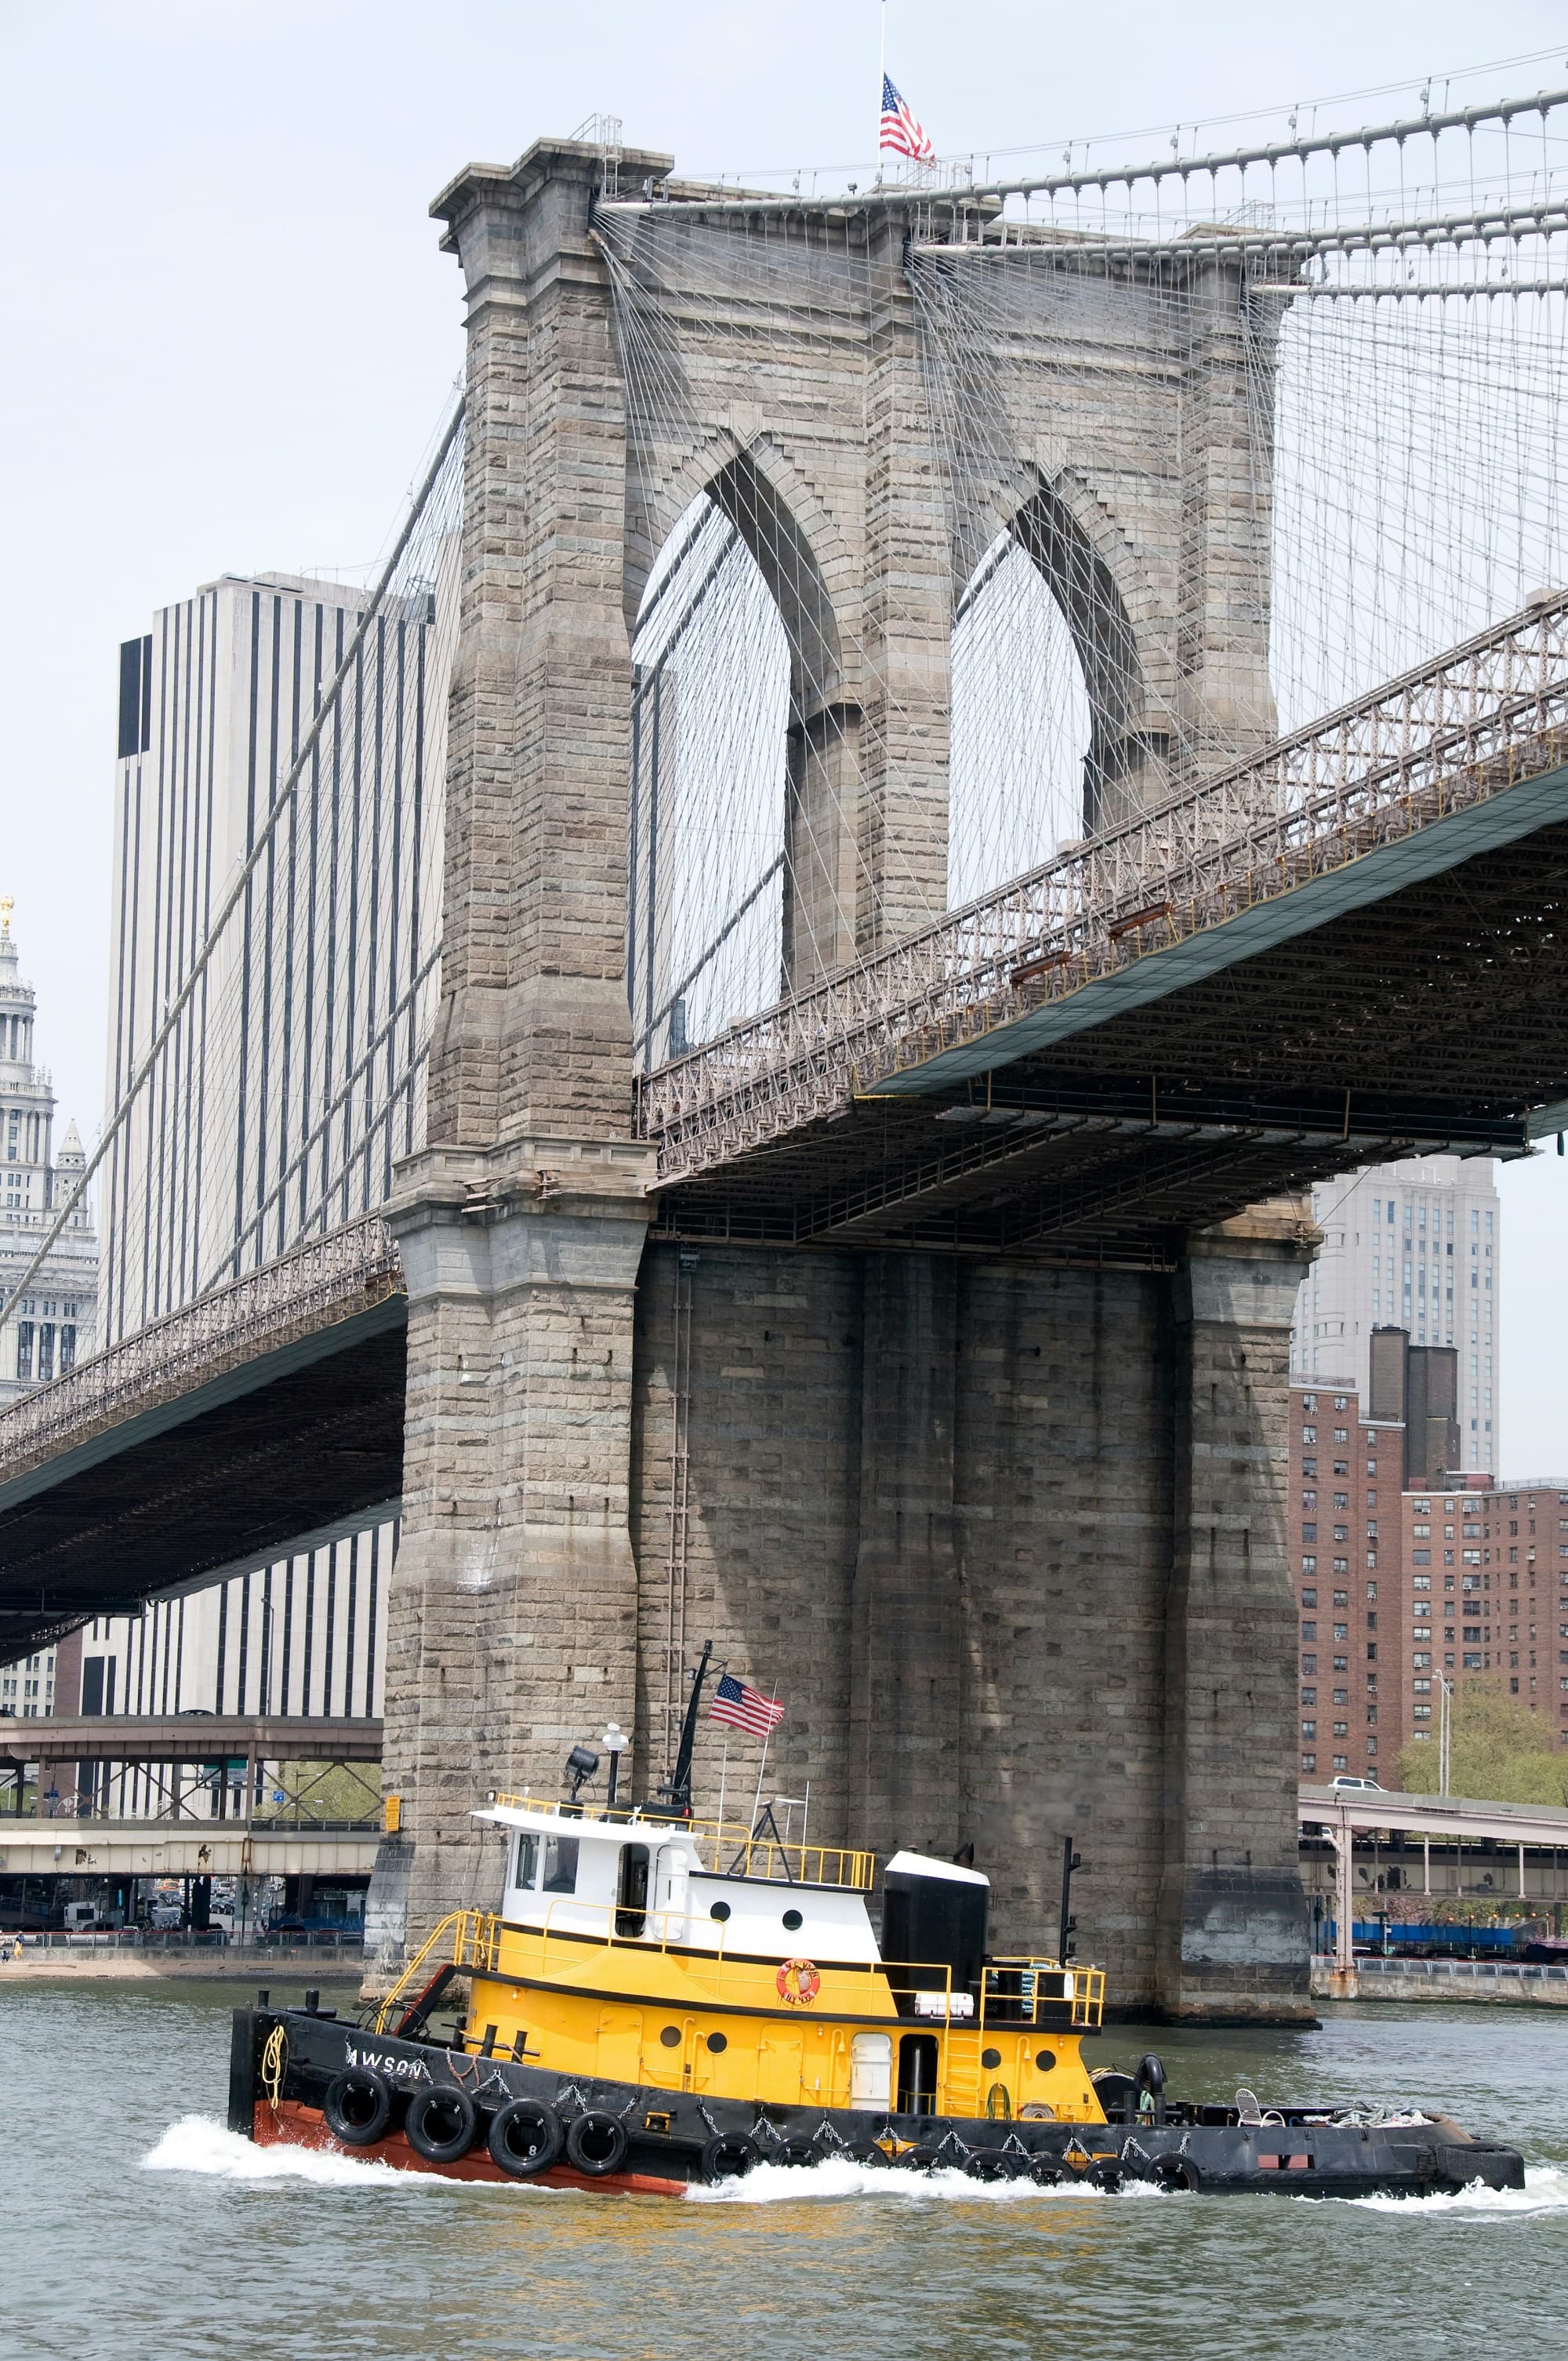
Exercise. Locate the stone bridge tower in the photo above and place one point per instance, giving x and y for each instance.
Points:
(1009, 1538)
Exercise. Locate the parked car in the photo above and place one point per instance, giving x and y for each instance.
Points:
(1344, 1780)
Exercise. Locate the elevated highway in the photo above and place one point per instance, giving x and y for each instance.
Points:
(189, 1849)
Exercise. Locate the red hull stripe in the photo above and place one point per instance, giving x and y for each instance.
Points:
(292, 2125)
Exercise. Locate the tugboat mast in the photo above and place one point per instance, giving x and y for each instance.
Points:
(676, 1791)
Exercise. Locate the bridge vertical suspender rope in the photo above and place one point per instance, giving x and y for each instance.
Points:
(263, 842)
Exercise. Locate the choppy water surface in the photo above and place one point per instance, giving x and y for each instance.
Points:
(134, 2225)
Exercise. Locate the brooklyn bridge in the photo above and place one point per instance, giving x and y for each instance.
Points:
(975, 742)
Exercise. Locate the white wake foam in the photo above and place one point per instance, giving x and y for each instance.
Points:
(839, 2177)
(197, 2143)
(1545, 2190)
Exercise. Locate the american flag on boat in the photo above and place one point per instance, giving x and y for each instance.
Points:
(900, 131)
(744, 1708)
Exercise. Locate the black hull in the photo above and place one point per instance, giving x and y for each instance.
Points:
(674, 2139)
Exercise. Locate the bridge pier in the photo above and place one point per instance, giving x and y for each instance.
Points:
(1232, 1937)
(512, 1630)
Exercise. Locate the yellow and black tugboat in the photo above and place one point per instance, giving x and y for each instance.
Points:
(662, 2000)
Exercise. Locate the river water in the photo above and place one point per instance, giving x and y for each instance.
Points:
(133, 2225)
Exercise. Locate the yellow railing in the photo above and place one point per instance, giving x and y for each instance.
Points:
(727, 1846)
(465, 1938)
(1047, 1982)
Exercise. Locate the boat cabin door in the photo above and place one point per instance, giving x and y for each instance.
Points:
(632, 1892)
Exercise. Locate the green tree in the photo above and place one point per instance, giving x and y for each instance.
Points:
(1496, 1749)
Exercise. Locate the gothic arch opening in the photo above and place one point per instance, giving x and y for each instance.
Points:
(743, 752)
(1021, 727)
(1118, 758)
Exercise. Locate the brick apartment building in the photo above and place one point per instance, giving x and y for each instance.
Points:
(1407, 1570)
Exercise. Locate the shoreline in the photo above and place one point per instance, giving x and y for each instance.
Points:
(201, 1967)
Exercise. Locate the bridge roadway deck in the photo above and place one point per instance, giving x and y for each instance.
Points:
(1247, 991)
(266, 1418)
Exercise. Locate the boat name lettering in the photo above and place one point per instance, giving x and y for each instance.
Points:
(412, 2070)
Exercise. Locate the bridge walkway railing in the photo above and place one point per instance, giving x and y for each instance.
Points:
(312, 1287)
(1436, 740)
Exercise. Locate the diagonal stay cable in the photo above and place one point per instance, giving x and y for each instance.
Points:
(182, 999)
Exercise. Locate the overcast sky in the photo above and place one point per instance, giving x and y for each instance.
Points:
(227, 331)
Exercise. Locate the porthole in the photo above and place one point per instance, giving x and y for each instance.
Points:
(991, 2058)
(1045, 2059)
(721, 1911)
(717, 2041)
(671, 2037)
(793, 1919)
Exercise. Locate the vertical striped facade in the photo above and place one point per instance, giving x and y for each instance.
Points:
(293, 1079)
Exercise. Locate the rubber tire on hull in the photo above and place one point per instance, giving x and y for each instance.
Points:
(440, 2126)
(540, 2118)
(596, 2144)
(1176, 2173)
(358, 2106)
(867, 2152)
(729, 2156)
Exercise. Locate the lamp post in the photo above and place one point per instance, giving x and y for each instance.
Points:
(1444, 1731)
(615, 1743)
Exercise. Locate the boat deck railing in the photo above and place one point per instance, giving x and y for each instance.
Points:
(725, 1847)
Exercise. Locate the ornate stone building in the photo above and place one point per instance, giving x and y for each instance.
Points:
(55, 1324)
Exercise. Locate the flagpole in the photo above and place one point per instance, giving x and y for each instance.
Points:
(757, 1800)
(723, 1774)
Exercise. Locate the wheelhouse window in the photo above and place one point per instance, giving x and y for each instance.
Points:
(525, 1861)
(560, 1865)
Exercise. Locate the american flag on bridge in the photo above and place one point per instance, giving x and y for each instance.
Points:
(901, 133)
(744, 1708)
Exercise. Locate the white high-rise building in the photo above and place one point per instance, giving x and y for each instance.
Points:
(1417, 1246)
(273, 1118)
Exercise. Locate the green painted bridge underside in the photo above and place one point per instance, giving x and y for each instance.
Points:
(1510, 814)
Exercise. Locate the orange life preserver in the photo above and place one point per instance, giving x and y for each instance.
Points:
(798, 1983)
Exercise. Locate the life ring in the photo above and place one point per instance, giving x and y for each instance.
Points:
(596, 2143)
(524, 2136)
(798, 1983)
(357, 2106)
(729, 2156)
(440, 2125)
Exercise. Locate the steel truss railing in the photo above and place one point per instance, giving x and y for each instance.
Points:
(1438, 740)
(312, 1287)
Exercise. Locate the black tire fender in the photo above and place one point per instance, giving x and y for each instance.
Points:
(867, 2152)
(989, 2164)
(358, 2106)
(539, 2126)
(731, 2155)
(441, 2124)
(1177, 2173)
(1047, 2172)
(596, 2143)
